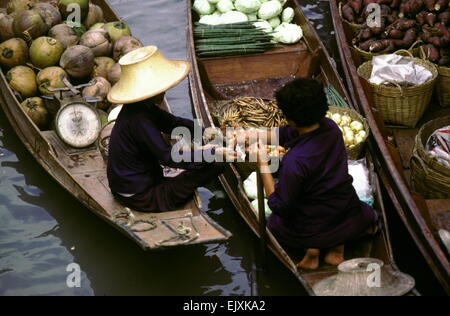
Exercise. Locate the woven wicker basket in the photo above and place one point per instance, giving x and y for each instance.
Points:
(414, 50)
(356, 152)
(354, 26)
(443, 86)
(403, 106)
(430, 177)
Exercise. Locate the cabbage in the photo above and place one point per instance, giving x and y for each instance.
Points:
(287, 15)
(211, 19)
(203, 7)
(214, 1)
(283, 2)
(288, 33)
(264, 25)
(252, 17)
(247, 6)
(225, 6)
(267, 208)
(270, 9)
(234, 17)
(274, 22)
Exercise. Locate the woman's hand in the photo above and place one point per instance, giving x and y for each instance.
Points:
(259, 150)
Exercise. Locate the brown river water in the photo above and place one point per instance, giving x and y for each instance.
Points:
(43, 229)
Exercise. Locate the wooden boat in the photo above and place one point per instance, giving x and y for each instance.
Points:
(423, 218)
(82, 172)
(214, 80)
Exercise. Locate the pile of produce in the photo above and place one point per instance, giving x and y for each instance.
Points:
(251, 112)
(403, 23)
(352, 130)
(38, 48)
(267, 20)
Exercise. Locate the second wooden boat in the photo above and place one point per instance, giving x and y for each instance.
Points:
(394, 146)
(215, 80)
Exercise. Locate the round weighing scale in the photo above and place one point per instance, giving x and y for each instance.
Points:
(78, 124)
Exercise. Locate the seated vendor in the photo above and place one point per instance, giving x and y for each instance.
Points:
(137, 149)
(314, 204)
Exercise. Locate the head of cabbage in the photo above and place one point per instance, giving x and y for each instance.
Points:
(270, 9)
(225, 6)
(234, 17)
(288, 33)
(203, 7)
(247, 6)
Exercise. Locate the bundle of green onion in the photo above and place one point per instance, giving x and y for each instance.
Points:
(231, 39)
(334, 98)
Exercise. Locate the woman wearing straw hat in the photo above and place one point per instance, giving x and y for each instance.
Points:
(137, 149)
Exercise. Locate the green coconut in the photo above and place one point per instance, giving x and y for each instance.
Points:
(78, 28)
(65, 34)
(51, 77)
(18, 6)
(124, 45)
(23, 80)
(6, 25)
(117, 29)
(99, 90)
(29, 25)
(97, 26)
(94, 16)
(78, 61)
(36, 110)
(102, 67)
(83, 4)
(45, 52)
(49, 13)
(13, 52)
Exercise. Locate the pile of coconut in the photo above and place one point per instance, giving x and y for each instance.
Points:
(39, 47)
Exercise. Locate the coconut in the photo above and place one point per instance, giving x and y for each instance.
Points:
(99, 90)
(36, 110)
(98, 41)
(51, 77)
(114, 74)
(102, 66)
(45, 52)
(97, 26)
(6, 25)
(29, 25)
(78, 61)
(13, 52)
(18, 6)
(117, 29)
(78, 28)
(65, 34)
(49, 13)
(95, 15)
(83, 4)
(23, 80)
(124, 45)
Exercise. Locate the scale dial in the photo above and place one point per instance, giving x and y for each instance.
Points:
(78, 124)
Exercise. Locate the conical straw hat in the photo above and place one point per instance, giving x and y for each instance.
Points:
(146, 73)
(355, 276)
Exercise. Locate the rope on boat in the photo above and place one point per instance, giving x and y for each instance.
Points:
(131, 222)
(182, 233)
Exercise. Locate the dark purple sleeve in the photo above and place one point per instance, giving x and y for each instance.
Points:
(288, 189)
(286, 134)
(150, 136)
(167, 122)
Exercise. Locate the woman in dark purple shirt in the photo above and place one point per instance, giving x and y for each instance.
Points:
(314, 204)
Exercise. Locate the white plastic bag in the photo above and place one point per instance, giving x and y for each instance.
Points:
(358, 170)
(438, 145)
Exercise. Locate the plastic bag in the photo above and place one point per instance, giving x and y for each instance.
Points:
(438, 145)
(251, 187)
(358, 170)
(267, 208)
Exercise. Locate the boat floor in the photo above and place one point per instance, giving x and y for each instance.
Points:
(89, 170)
(439, 210)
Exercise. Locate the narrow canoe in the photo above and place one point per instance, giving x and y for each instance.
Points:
(82, 172)
(214, 80)
(423, 218)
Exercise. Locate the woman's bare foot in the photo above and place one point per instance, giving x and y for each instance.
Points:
(311, 260)
(335, 256)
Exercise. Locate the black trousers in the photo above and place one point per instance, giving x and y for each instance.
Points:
(172, 193)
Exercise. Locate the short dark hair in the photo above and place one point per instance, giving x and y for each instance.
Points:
(303, 101)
